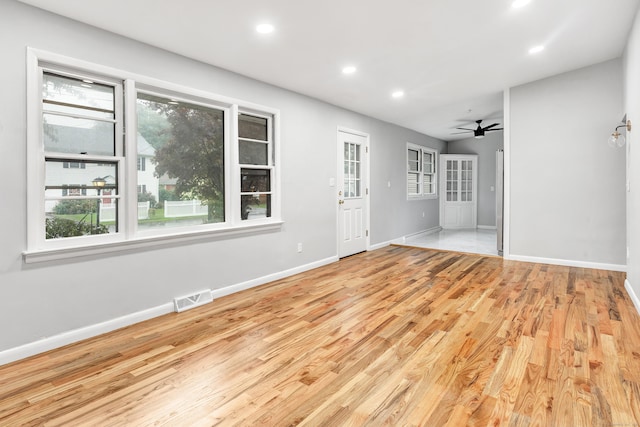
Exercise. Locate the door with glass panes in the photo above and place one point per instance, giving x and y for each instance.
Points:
(458, 190)
(352, 193)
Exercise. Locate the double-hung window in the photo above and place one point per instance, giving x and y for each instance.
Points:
(421, 172)
(255, 149)
(121, 158)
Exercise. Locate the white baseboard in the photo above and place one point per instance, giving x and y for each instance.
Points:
(379, 245)
(632, 294)
(487, 227)
(228, 290)
(402, 240)
(568, 263)
(65, 338)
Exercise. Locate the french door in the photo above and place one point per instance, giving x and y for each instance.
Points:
(458, 190)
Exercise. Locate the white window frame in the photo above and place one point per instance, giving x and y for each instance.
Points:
(421, 195)
(39, 249)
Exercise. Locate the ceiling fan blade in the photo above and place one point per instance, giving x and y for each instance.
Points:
(471, 130)
(489, 130)
(490, 126)
(458, 133)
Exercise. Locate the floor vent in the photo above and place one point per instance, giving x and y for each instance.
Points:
(193, 300)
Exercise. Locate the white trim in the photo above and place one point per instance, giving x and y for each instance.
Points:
(379, 245)
(65, 338)
(568, 263)
(487, 227)
(148, 242)
(426, 232)
(70, 337)
(228, 290)
(632, 294)
(506, 199)
(403, 239)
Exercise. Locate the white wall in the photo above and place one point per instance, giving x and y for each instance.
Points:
(47, 299)
(567, 185)
(632, 107)
(486, 149)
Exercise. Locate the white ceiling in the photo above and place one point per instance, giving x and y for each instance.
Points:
(452, 58)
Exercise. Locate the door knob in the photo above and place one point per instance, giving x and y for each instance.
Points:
(340, 202)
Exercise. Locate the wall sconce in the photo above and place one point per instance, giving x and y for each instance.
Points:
(618, 139)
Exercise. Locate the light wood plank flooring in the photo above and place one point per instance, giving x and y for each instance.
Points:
(398, 336)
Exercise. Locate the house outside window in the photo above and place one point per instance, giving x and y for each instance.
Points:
(180, 136)
(421, 172)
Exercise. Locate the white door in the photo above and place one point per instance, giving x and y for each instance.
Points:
(458, 190)
(352, 193)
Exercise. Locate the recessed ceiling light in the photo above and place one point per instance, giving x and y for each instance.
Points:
(265, 28)
(520, 3)
(536, 49)
(350, 69)
(397, 94)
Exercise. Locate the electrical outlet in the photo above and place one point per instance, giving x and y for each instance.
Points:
(299, 247)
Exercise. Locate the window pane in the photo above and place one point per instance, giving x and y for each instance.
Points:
(412, 183)
(183, 145)
(427, 162)
(80, 136)
(252, 127)
(428, 186)
(79, 201)
(255, 180)
(255, 206)
(77, 96)
(253, 153)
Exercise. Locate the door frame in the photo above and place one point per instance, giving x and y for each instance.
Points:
(365, 183)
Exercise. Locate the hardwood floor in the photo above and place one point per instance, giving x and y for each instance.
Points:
(399, 336)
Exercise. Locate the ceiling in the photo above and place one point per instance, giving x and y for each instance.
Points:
(452, 58)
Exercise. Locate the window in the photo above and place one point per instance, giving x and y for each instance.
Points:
(256, 165)
(187, 162)
(421, 172)
(191, 149)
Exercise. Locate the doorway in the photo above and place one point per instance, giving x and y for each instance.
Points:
(352, 192)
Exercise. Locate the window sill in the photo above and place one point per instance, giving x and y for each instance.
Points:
(427, 197)
(46, 255)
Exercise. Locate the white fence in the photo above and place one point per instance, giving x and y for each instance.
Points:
(108, 211)
(182, 208)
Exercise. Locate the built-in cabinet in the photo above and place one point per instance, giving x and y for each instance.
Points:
(458, 190)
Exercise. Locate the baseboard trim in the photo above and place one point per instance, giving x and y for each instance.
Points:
(65, 338)
(379, 245)
(487, 227)
(568, 263)
(70, 337)
(402, 240)
(228, 290)
(632, 294)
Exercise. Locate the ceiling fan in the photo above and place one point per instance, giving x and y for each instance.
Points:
(480, 130)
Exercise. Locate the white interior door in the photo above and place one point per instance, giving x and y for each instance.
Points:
(458, 190)
(352, 193)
